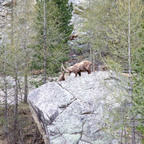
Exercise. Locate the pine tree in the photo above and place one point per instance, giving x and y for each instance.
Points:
(52, 36)
(65, 11)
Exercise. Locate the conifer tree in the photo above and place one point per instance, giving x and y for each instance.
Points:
(65, 14)
(53, 36)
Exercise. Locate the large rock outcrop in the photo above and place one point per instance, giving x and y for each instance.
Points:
(73, 111)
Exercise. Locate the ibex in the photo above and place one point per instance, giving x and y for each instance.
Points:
(62, 77)
(78, 68)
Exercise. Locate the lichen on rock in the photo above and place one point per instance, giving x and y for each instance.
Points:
(73, 111)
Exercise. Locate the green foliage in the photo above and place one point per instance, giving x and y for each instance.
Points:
(106, 28)
(58, 15)
(138, 61)
(113, 64)
(16, 49)
(140, 128)
(114, 28)
(65, 15)
(138, 88)
(37, 83)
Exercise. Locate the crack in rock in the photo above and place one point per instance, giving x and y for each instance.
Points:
(75, 110)
(66, 90)
(66, 105)
(81, 133)
(66, 108)
(76, 97)
(88, 112)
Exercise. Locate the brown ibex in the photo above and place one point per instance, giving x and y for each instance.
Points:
(78, 68)
(62, 77)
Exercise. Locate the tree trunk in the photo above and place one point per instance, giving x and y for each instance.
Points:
(25, 88)
(15, 107)
(5, 90)
(16, 100)
(130, 85)
(16, 81)
(26, 58)
(90, 54)
(44, 45)
(94, 60)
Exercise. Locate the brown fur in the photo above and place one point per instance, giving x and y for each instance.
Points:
(79, 67)
(73, 36)
(62, 77)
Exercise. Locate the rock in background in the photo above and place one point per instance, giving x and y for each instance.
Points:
(73, 111)
(4, 9)
(76, 42)
(78, 5)
(34, 81)
(5, 18)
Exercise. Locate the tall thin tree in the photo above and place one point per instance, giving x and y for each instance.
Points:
(45, 46)
(5, 84)
(129, 61)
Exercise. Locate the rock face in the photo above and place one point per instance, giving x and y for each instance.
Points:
(7, 3)
(73, 111)
(3, 11)
(78, 20)
(33, 82)
(5, 18)
(78, 6)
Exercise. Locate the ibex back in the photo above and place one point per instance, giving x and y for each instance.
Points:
(79, 67)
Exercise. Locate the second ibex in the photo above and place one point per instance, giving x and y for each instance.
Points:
(78, 68)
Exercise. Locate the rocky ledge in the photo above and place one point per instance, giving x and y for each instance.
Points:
(74, 111)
